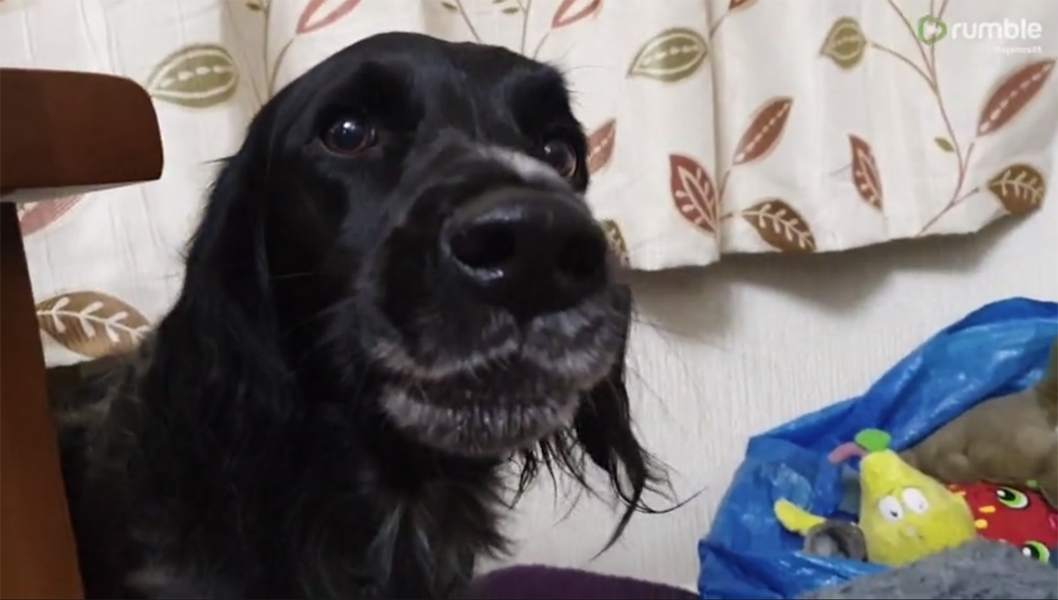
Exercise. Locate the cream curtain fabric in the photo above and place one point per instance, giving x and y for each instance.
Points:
(717, 126)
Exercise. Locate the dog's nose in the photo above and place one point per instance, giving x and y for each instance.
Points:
(527, 251)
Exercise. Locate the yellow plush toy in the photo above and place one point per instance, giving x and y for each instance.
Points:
(904, 514)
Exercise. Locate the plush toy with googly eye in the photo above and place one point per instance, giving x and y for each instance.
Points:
(904, 514)
(1017, 516)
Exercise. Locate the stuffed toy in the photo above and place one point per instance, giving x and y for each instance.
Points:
(1008, 440)
(1019, 517)
(904, 515)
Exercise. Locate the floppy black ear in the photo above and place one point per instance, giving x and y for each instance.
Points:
(604, 428)
(603, 433)
(216, 360)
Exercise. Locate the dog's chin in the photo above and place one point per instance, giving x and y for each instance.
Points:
(488, 412)
(487, 385)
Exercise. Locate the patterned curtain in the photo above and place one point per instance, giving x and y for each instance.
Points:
(717, 126)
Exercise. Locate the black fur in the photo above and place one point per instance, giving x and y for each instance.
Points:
(328, 411)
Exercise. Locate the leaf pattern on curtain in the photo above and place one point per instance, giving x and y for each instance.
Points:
(702, 141)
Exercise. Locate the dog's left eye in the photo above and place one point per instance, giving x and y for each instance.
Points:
(562, 157)
(349, 136)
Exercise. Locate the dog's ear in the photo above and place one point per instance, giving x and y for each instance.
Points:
(603, 433)
(604, 429)
(216, 356)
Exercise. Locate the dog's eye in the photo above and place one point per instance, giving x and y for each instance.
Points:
(562, 157)
(349, 136)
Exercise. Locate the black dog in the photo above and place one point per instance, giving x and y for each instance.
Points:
(396, 292)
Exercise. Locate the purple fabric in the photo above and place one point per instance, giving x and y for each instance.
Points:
(543, 583)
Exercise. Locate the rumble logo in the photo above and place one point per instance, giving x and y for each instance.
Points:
(932, 30)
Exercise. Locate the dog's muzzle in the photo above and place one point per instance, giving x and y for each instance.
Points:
(526, 270)
(526, 251)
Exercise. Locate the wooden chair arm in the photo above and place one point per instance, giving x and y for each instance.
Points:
(71, 129)
(57, 130)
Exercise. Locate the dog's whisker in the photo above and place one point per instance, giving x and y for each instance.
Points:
(288, 276)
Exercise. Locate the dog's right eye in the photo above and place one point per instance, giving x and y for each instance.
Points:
(349, 136)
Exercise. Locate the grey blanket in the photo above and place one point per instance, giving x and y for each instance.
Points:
(980, 569)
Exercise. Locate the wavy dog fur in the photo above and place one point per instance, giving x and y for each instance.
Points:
(326, 411)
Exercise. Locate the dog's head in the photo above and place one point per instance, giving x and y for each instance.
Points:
(409, 215)
(427, 197)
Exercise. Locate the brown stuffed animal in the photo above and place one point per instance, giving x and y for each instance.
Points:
(1010, 440)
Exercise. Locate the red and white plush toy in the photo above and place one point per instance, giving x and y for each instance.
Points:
(1020, 517)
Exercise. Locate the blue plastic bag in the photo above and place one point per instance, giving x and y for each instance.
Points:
(996, 350)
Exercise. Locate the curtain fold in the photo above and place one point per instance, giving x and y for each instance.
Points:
(745, 126)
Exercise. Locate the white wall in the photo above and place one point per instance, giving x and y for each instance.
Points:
(729, 351)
